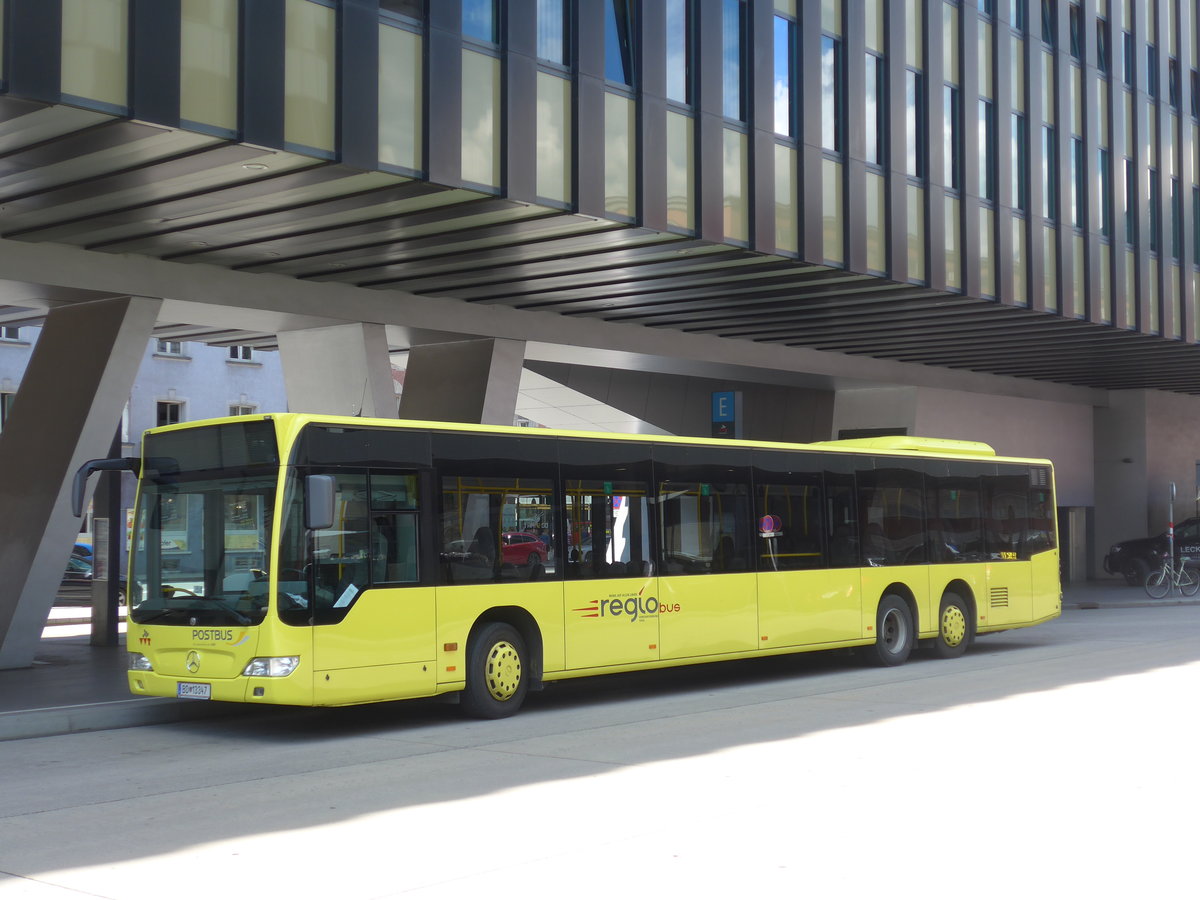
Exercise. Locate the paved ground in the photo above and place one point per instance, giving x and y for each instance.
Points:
(75, 687)
(1050, 762)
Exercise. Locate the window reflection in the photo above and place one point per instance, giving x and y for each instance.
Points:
(679, 51)
(618, 42)
(784, 66)
(479, 20)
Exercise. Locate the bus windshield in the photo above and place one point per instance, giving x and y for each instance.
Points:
(202, 536)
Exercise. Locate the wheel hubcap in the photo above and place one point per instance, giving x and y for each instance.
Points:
(894, 632)
(503, 671)
(954, 626)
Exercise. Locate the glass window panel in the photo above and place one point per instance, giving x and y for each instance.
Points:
(786, 209)
(480, 111)
(1078, 187)
(950, 43)
(1050, 277)
(876, 222)
(618, 42)
(1017, 72)
(831, 16)
(784, 67)
(874, 18)
(208, 63)
(1007, 515)
(914, 45)
(987, 152)
(796, 508)
(892, 513)
(1078, 280)
(479, 20)
(1130, 289)
(1049, 174)
(551, 31)
(680, 172)
(1104, 195)
(987, 249)
(496, 529)
(553, 137)
(1103, 115)
(831, 93)
(1020, 291)
(1048, 108)
(951, 158)
(1153, 296)
(619, 175)
(609, 529)
(733, 35)
(1075, 89)
(1106, 294)
(400, 92)
(705, 528)
(876, 134)
(679, 44)
(914, 114)
(310, 75)
(953, 244)
(955, 521)
(736, 180)
(1019, 148)
(985, 59)
(95, 50)
(832, 215)
(916, 233)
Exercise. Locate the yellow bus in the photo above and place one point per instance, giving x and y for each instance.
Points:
(320, 561)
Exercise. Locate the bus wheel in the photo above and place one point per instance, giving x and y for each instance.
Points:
(954, 628)
(497, 673)
(893, 633)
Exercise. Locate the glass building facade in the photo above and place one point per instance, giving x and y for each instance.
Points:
(1038, 154)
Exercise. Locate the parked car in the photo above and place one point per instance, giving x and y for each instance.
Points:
(75, 589)
(1136, 558)
(520, 548)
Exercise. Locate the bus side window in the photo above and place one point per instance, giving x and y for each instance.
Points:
(841, 522)
(394, 528)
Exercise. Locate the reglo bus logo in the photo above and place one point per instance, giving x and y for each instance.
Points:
(617, 606)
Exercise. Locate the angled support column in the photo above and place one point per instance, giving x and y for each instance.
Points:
(343, 370)
(69, 400)
(464, 381)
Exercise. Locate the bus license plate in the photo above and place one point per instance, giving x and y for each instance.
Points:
(187, 690)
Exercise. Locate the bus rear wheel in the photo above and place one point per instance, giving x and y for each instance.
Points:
(893, 633)
(954, 628)
(497, 672)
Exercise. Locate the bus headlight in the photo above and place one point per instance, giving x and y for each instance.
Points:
(272, 666)
(139, 663)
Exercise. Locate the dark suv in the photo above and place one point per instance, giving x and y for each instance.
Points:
(1135, 559)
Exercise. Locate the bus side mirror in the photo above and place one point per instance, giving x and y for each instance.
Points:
(318, 507)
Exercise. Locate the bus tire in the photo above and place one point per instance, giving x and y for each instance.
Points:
(497, 672)
(894, 633)
(954, 627)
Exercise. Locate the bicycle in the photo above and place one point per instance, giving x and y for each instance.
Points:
(1166, 579)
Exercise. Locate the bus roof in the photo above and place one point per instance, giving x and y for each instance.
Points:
(290, 425)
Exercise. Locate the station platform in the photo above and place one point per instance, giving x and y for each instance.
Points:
(74, 687)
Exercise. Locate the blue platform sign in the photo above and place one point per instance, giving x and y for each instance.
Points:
(726, 414)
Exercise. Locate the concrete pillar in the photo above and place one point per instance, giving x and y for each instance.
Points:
(463, 381)
(70, 398)
(343, 370)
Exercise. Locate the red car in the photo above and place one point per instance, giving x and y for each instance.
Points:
(520, 548)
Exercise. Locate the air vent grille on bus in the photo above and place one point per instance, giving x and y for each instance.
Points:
(999, 598)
